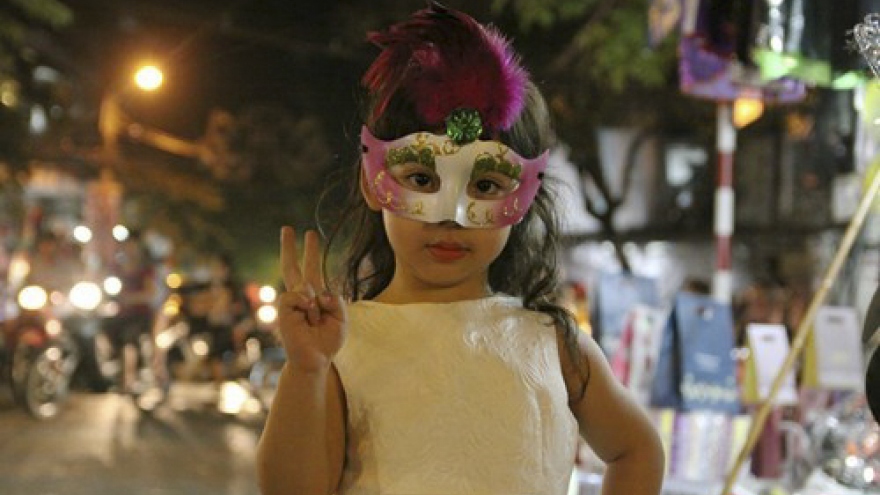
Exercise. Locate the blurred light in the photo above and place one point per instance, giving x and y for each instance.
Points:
(148, 78)
(869, 475)
(165, 339)
(200, 347)
(53, 327)
(32, 297)
(174, 280)
(45, 74)
(233, 398)
(776, 43)
(120, 233)
(85, 296)
(268, 294)
(39, 122)
(112, 285)
(171, 307)
(19, 267)
(267, 314)
(747, 110)
(9, 90)
(53, 353)
(82, 234)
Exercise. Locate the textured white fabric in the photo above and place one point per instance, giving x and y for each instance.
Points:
(464, 398)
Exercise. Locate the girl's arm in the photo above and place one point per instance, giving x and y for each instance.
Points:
(614, 425)
(302, 446)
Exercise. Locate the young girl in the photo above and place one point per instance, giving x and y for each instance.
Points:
(449, 369)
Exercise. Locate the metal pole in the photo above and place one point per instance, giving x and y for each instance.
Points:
(722, 279)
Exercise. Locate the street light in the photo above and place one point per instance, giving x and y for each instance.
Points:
(104, 197)
(148, 77)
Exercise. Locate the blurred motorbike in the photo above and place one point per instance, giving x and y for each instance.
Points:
(38, 354)
(179, 351)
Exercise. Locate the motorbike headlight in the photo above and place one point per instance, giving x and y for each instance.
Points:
(112, 285)
(267, 314)
(33, 297)
(85, 296)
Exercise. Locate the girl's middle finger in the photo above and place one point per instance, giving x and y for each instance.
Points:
(312, 261)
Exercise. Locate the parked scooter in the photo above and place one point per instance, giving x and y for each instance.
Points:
(38, 353)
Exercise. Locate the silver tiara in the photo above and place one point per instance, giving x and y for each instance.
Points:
(867, 36)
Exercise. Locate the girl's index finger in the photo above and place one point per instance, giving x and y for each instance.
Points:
(312, 261)
(290, 271)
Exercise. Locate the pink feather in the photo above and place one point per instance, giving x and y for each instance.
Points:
(443, 60)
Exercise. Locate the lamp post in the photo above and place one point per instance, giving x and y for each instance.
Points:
(104, 196)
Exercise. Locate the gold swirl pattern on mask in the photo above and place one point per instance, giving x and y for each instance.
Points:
(390, 202)
(489, 218)
(512, 210)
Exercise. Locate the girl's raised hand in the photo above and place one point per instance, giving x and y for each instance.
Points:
(311, 319)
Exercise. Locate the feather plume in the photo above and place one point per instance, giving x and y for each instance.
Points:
(442, 60)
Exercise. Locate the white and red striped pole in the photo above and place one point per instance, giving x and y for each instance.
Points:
(722, 279)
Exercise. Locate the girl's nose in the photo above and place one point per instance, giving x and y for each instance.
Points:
(449, 224)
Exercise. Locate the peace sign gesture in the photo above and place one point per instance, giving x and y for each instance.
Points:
(311, 319)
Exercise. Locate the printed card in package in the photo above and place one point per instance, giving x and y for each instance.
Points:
(616, 295)
(833, 357)
(768, 346)
(636, 357)
(695, 367)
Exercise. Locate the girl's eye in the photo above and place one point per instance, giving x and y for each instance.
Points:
(491, 186)
(419, 181)
(416, 177)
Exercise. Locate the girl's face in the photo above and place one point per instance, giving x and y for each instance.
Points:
(439, 262)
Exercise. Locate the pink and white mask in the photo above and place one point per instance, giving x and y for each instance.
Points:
(430, 178)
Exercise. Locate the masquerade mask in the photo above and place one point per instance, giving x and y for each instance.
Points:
(432, 178)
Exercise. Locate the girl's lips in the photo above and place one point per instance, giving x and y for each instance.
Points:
(447, 251)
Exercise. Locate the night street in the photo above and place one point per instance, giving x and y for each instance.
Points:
(102, 444)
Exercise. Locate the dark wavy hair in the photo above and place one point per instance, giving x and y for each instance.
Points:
(528, 266)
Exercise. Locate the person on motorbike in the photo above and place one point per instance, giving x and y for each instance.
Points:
(136, 300)
(52, 264)
(229, 314)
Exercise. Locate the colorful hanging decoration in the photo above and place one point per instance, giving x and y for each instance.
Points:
(714, 65)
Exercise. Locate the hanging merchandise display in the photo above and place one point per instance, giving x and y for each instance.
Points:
(616, 295)
(695, 366)
(833, 354)
(809, 40)
(715, 63)
(767, 345)
(636, 356)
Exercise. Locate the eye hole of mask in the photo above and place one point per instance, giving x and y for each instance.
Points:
(491, 185)
(415, 177)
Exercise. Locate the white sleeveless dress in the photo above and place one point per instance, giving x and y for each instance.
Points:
(463, 398)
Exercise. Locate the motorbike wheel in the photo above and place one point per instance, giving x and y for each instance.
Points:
(47, 383)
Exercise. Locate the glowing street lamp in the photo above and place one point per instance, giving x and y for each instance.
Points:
(148, 77)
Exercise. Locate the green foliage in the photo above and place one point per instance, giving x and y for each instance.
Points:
(50, 12)
(616, 51)
(544, 13)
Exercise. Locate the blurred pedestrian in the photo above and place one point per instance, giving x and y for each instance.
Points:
(453, 370)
